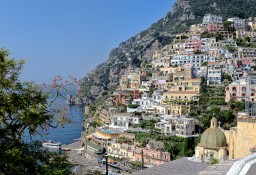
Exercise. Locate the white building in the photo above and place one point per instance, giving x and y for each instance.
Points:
(145, 86)
(239, 24)
(209, 18)
(214, 73)
(121, 121)
(157, 96)
(179, 126)
(195, 60)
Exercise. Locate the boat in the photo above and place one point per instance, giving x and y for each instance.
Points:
(50, 144)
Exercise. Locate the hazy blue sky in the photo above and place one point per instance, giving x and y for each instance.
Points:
(71, 37)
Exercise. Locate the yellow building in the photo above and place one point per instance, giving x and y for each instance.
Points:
(172, 96)
(121, 150)
(189, 85)
(181, 96)
(212, 144)
(242, 139)
(178, 108)
(178, 73)
(183, 72)
(131, 80)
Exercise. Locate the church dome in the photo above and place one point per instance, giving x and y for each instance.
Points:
(213, 137)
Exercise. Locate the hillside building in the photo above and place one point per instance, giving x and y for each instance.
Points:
(209, 18)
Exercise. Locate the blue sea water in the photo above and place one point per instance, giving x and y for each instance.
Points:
(68, 132)
(65, 134)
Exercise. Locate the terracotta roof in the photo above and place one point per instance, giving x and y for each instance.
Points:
(214, 63)
(191, 79)
(181, 92)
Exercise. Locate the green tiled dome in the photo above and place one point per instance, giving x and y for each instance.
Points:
(213, 137)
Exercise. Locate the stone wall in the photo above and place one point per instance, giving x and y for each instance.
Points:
(241, 138)
(246, 166)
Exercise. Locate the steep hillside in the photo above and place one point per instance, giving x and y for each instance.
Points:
(105, 77)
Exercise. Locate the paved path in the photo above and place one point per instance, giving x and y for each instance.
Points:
(83, 165)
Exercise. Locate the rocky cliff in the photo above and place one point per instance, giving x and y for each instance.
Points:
(137, 49)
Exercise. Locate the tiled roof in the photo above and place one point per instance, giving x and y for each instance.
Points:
(181, 92)
(181, 166)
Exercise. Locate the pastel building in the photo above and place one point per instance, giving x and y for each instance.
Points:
(182, 72)
(192, 44)
(151, 156)
(239, 24)
(190, 84)
(216, 53)
(215, 27)
(181, 96)
(195, 29)
(238, 90)
(121, 121)
(179, 126)
(121, 150)
(195, 60)
(245, 52)
(130, 80)
(210, 18)
(242, 34)
(214, 72)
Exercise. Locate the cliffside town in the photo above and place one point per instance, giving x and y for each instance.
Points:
(186, 101)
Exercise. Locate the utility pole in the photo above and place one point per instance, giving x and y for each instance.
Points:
(142, 159)
(106, 157)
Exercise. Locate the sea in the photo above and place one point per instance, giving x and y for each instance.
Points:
(67, 133)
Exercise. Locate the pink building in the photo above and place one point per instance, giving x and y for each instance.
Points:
(193, 44)
(246, 61)
(237, 91)
(240, 33)
(152, 156)
(215, 27)
(217, 53)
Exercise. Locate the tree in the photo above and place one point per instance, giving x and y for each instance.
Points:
(23, 106)
(227, 77)
(231, 49)
(218, 36)
(228, 26)
(204, 64)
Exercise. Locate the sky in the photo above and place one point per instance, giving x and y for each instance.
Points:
(71, 37)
